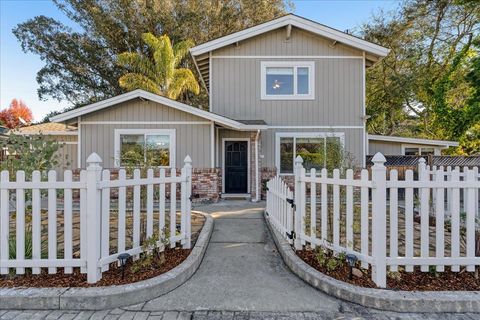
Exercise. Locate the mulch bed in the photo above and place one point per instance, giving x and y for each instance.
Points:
(173, 257)
(402, 280)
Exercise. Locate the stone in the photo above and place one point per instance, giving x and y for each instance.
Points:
(357, 272)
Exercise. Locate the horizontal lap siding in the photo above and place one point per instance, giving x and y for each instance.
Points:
(191, 139)
(385, 147)
(353, 143)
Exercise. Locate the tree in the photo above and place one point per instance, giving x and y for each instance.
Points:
(80, 63)
(411, 91)
(16, 114)
(159, 72)
(470, 141)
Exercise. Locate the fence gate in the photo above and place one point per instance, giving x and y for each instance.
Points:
(280, 207)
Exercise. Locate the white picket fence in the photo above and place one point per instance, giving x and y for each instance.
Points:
(94, 211)
(364, 216)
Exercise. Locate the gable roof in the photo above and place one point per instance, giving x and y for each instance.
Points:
(234, 124)
(200, 53)
(299, 22)
(440, 143)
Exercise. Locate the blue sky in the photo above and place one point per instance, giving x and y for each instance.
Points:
(18, 70)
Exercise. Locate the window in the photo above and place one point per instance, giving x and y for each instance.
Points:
(418, 151)
(318, 150)
(136, 147)
(288, 80)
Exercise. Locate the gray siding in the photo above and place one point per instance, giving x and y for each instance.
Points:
(385, 147)
(353, 144)
(191, 138)
(236, 82)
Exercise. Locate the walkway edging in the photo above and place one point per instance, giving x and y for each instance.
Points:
(389, 300)
(99, 298)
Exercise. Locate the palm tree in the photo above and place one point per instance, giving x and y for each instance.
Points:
(160, 73)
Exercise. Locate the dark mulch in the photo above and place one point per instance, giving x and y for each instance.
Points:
(402, 280)
(173, 257)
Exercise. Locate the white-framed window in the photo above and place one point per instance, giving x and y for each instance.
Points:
(288, 80)
(153, 147)
(415, 150)
(317, 150)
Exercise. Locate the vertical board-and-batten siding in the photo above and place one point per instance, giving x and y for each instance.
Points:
(236, 88)
(192, 133)
(385, 147)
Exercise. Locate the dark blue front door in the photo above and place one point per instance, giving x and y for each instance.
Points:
(236, 166)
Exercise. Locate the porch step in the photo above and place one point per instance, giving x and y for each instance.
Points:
(239, 196)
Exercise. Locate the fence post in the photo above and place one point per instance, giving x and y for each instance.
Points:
(298, 203)
(188, 205)
(94, 171)
(379, 220)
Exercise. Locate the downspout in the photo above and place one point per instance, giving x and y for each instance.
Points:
(257, 182)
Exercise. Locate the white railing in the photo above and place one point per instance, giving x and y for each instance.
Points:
(84, 222)
(280, 206)
(363, 215)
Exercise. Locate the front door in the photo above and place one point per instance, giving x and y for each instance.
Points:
(236, 166)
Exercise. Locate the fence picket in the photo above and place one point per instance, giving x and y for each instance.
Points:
(324, 200)
(149, 204)
(183, 206)
(105, 216)
(439, 220)
(455, 217)
(36, 221)
(83, 219)
(470, 219)
(393, 219)
(67, 221)
(52, 221)
(364, 218)
(161, 201)
(302, 205)
(336, 209)
(313, 206)
(424, 215)
(122, 176)
(136, 211)
(173, 208)
(409, 219)
(20, 223)
(349, 209)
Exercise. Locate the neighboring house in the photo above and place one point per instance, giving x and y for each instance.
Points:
(66, 135)
(280, 89)
(390, 145)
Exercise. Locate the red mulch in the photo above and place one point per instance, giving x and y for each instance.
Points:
(408, 281)
(173, 257)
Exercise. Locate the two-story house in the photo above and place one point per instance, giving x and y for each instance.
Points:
(283, 88)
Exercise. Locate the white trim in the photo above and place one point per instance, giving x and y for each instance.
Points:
(295, 21)
(118, 132)
(223, 162)
(279, 135)
(288, 64)
(147, 122)
(417, 141)
(287, 57)
(257, 179)
(364, 113)
(155, 98)
(210, 98)
(217, 147)
(212, 145)
(437, 151)
(79, 146)
(315, 127)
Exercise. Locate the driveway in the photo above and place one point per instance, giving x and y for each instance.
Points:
(242, 276)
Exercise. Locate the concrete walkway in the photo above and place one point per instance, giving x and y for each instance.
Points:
(242, 276)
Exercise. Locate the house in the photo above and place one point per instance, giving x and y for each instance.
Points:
(283, 88)
(391, 145)
(65, 135)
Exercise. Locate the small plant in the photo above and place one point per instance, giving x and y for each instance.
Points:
(395, 275)
(433, 271)
(151, 256)
(333, 263)
(321, 257)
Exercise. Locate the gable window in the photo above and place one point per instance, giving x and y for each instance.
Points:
(292, 80)
(418, 151)
(151, 147)
(318, 150)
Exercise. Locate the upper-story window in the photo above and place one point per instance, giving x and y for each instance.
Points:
(288, 80)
